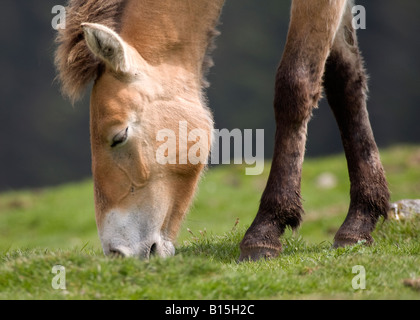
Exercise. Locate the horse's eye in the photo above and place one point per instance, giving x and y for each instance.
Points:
(120, 138)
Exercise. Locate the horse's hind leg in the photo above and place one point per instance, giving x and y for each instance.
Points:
(346, 86)
(298, 88)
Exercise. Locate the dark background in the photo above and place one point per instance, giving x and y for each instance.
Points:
(44, 140)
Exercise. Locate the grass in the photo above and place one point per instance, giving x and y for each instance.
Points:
(43, 228)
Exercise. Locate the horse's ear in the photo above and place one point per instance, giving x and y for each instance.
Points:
(108, 46)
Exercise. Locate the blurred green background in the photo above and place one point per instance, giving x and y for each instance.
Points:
(45, 141)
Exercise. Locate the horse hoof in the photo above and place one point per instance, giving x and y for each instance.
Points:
(258, 253)
(341, 241)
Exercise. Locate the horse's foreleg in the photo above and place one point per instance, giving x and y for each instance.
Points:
(346, 87)
(298, 88)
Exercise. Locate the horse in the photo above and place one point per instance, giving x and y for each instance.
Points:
(148, 60)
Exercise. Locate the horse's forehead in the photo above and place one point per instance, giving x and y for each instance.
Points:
(113, 98)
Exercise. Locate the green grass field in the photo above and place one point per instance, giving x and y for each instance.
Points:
(55, 226)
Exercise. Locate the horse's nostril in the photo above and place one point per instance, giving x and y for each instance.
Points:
(123, 251)
(153, 249)
(116, 253)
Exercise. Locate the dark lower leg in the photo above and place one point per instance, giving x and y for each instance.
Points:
(345, 84)
(281, 202)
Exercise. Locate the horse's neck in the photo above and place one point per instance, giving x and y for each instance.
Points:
(176, 32)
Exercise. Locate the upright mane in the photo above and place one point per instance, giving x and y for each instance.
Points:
(75, 64)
